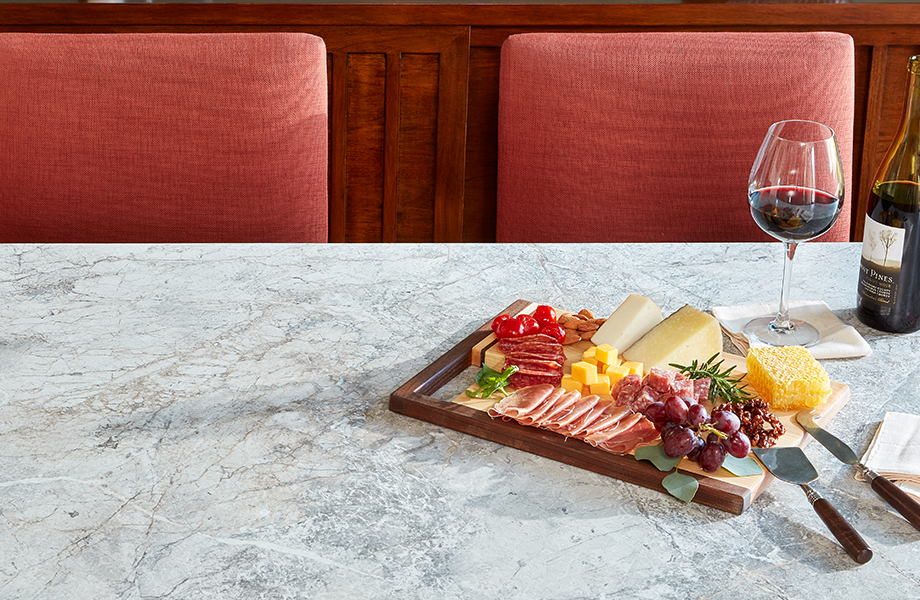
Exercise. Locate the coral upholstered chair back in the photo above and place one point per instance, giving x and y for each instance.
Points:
(163, 138)
(650, 137)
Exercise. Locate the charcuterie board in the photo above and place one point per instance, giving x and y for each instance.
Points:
(720, 490)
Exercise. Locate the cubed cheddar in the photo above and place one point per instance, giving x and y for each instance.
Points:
(589, 353)
(584, 372)
(602, 387)
(634, 367)
(592, 361)
(570, 385)
(606, 354)
(616, 373)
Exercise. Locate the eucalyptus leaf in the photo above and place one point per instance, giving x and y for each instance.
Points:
(656, 456)
(741, 467)
(682, 487)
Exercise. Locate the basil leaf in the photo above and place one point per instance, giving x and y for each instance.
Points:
(490, 381)
(485, 375)
(682, 487)
(656, 456)
(741, 467)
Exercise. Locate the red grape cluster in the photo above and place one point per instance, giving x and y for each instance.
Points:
(683, 424)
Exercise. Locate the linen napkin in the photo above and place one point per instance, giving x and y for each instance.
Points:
(838, 340)
(895, 452)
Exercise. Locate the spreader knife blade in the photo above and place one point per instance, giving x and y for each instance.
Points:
(895, 496)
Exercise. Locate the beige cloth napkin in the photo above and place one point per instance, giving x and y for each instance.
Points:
(838, 340)
(895, 452)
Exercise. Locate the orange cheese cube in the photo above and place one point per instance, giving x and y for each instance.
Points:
(584, 372)
(606, 354)
(602, 387)
(635, 367)
(616, 373)
(570, 385)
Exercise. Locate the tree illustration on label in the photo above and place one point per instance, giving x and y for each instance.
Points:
(872, 241)
(888, 238)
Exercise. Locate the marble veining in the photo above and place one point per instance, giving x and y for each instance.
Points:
(206, 421)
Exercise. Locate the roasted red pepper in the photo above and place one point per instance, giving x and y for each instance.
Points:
(545, 313)
(498, 321)
(510, 328)
(553, 329)
(530, 325)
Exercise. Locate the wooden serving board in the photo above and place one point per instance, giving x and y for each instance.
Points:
(719, 490)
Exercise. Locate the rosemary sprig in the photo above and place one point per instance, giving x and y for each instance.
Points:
(724, 387)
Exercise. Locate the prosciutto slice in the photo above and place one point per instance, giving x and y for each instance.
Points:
(521, 402)
(544, 408)
(601, 423)
(558, 424)
(561, 407)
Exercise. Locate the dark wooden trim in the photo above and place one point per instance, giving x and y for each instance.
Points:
(391, 143)
(870, 141)
(451, 151)
(338, 124)
(655, 16)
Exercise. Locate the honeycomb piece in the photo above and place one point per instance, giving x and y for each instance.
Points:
(787, 378)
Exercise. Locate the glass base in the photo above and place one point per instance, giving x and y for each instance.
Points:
(801, 333)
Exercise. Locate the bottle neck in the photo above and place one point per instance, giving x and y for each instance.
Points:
(910, 122)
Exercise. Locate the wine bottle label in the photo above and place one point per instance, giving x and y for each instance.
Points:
(880, 266)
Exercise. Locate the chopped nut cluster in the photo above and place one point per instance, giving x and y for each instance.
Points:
(579, 326)
(761, 426)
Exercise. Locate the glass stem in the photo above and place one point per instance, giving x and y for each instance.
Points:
(782, 321)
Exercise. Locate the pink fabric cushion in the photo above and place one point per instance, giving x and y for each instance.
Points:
(650, 137)
(163, 138)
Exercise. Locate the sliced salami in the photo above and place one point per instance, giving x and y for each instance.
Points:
(525, 379)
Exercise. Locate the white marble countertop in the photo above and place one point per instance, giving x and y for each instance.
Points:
(196, 422)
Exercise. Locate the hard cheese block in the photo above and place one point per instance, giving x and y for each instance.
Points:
(628, 323)
(688, 334)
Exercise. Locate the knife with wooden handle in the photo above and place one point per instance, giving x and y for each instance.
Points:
(895, 496)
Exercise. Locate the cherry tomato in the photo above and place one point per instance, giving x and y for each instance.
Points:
(498, 320)
(509, 328)
(553, 329)
(545, 313)
(530, 325)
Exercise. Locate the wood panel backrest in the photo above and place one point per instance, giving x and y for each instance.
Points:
(413, 89)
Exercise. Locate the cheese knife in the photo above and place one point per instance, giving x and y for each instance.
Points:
(790, 464)
(895, 496)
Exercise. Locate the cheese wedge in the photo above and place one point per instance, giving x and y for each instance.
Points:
(688, 334)
(633, 319)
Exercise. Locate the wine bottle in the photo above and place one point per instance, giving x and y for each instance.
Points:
(888, 292)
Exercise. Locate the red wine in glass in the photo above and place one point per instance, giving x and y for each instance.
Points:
(794, 213)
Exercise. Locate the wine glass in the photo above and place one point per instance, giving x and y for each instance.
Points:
(795, 192)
